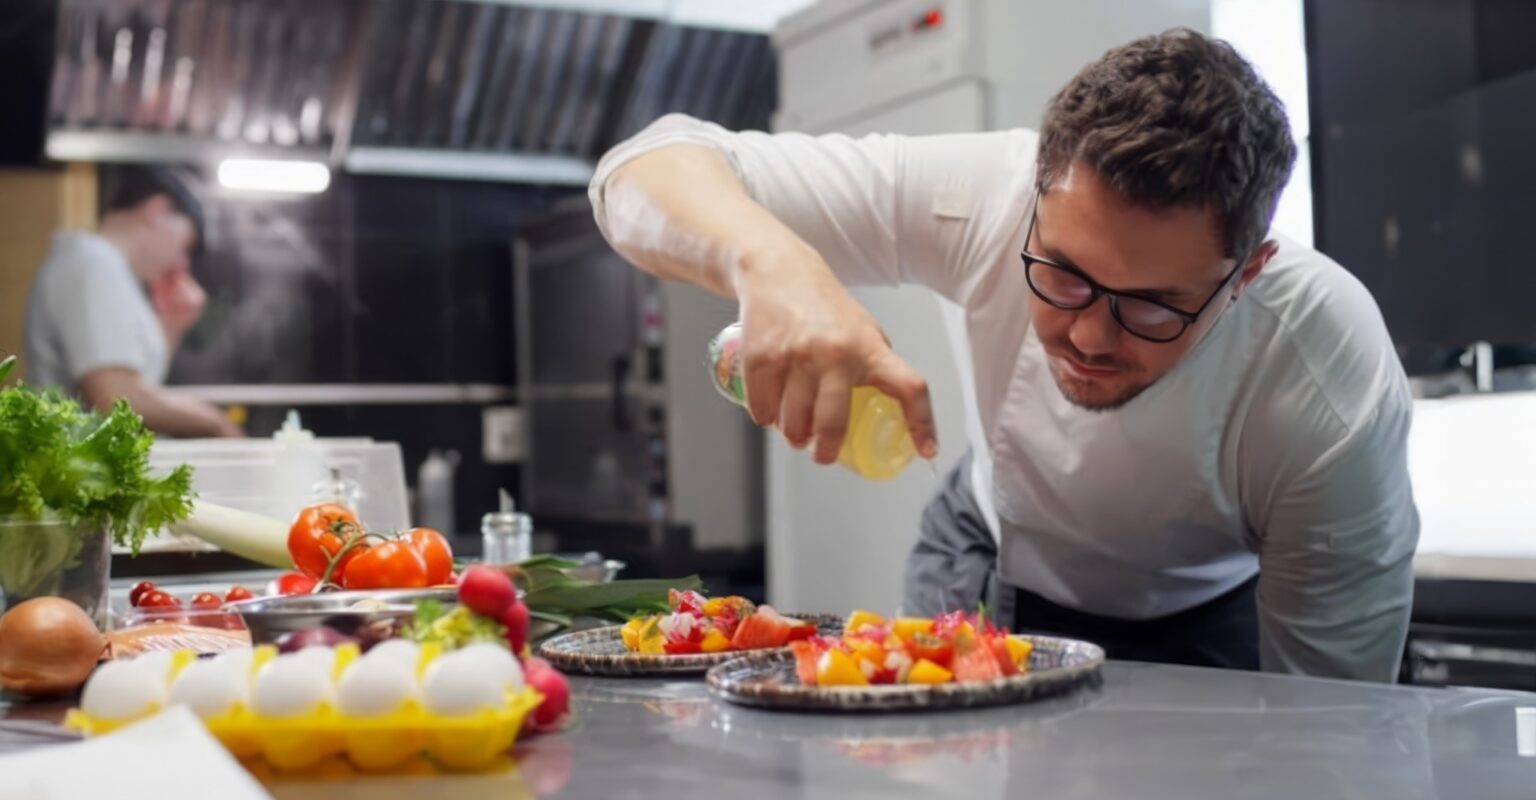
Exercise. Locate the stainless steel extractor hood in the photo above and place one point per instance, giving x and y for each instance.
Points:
(479, 90)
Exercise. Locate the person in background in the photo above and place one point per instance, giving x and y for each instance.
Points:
(109, 308)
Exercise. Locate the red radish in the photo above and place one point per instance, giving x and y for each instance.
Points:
(486, 591)
(515, 620)
(548, 681)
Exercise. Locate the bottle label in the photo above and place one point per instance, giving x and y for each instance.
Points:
(725, 364)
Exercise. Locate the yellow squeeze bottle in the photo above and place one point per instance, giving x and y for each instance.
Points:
(877, 445)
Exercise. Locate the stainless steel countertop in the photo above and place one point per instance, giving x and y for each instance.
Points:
(1148, 731)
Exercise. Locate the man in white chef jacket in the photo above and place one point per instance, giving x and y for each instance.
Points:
(108, 307)
(1197, 429)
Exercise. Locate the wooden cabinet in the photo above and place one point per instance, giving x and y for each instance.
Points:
(35, 202)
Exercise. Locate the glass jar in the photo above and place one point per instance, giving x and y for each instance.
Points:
(52, 558)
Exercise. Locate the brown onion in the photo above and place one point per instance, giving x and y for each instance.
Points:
(47, 646)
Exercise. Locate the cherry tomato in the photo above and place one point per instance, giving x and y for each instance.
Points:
(138, 591)
(318, 533)
(392, 565)
(236, 594)
(206, 600)
(158, 599)
(435, 552)
(292, 583)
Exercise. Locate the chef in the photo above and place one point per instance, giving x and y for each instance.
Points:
(1195, 428)
(109, 307)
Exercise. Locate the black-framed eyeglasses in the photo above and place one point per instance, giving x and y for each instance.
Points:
(1067, 288)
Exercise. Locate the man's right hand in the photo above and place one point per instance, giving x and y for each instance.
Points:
(178, 300)
(806, 343)
(680, 213)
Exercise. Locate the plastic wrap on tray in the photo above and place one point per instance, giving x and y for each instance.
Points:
(174, 637)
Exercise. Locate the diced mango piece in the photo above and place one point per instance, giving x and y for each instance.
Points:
(866, 650)
(1019, 649)
(860, 619)
(835, 668)
(651, 641)
(714, 607)
(907, 627)
(630, 633)
(715, 641)
(925, 671)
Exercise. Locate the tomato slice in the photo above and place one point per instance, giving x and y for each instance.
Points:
(939, 650)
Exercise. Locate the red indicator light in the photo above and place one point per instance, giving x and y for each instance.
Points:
(933, 18)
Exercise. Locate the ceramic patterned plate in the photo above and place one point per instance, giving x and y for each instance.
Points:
(767, 680)
(601, 651)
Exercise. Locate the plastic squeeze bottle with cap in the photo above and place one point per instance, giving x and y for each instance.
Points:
(877, 445)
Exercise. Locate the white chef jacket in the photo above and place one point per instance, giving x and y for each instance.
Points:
(1277, 445)
(87, 311)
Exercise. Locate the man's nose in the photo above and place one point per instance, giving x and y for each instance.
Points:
(1094, 330)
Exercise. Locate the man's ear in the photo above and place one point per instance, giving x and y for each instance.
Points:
(1261, 256)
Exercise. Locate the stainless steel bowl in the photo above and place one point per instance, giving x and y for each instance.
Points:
(268, 618)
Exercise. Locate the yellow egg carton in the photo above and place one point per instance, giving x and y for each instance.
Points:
(394, 742)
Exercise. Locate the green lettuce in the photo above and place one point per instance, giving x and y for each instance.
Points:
(58, 461)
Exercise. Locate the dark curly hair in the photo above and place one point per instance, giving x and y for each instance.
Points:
(1176, 120)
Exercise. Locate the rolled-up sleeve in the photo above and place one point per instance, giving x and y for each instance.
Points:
(1336, 557)
(880, 209)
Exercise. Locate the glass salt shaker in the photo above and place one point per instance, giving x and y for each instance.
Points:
(337, 489)
(507, 536)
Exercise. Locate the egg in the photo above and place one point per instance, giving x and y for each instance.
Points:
(403, 651)
(458, 684)
(370, 688)
(209, 688)
(319, 655)
(123, 690)
(493, 659)
(159, 661)
(238, 660)
(290, 685)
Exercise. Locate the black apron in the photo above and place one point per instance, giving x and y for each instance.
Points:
(954, 567)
